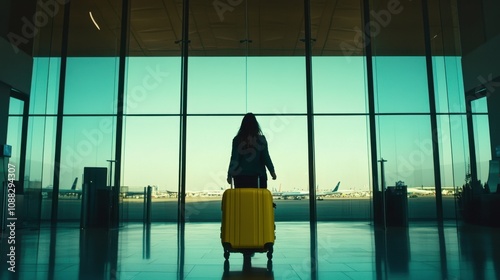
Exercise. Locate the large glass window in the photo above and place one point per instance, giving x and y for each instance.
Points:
(242, 58)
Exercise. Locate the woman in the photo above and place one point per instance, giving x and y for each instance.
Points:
(250, 156)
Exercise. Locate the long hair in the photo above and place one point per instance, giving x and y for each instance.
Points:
(249, 129)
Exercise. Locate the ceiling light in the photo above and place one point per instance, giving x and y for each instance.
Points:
(93, 20)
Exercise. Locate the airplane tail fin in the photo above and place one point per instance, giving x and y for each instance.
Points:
(73, 187)
(336, 187)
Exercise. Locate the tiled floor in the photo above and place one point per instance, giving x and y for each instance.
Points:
(345, 250)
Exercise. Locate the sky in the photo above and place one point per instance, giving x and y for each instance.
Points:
(262, 85)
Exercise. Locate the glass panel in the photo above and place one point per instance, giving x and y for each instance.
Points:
(217, 85)
(40, 159)
(398, 91)
(45, 85)
(150, 158)
(153, 85)
(479, 105)
(482, 146)
(283, 133)
(454, 158)
(339, 85)
(16, 107)
(91, 85)
(86, 142)
(448, 84)
(276, 85)
(14, 133)
(406, 143)
(207, 161)
(342, 155)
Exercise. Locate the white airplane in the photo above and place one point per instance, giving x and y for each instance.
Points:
(320, 195)
(303, 194)
(415, 191)
(73, 191)
(297, 195)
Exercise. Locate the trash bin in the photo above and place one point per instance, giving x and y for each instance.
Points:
(396, 206)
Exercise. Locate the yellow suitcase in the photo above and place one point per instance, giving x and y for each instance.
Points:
(247, 221)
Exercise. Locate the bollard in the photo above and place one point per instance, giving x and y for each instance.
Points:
(147, 205)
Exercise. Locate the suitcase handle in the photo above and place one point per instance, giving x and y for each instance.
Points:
(258, 182)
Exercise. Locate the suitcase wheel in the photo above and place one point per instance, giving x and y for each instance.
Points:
(269, 247)
(226, 255)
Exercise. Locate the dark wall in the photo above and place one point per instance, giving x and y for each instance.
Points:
(494, 118)
(4, 111)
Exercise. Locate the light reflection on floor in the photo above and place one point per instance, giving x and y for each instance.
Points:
(345, 250)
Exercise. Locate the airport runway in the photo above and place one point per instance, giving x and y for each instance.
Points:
(209, 210)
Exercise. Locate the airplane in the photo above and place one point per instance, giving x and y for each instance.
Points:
(154, 193)
(302, 194)
(206, 193)
(72, 191)
(297, 195)
(412, 192)
(320, 195)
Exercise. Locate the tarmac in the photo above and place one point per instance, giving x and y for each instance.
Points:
(209, 209)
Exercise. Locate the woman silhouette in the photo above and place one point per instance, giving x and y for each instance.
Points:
(250, 156)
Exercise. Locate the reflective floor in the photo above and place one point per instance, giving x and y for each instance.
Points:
(345, 250)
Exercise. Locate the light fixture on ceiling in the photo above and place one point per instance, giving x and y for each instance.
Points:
(93, 20)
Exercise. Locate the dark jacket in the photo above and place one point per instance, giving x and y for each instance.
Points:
(250, 157)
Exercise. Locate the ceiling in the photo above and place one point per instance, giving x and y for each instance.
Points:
(248, 27)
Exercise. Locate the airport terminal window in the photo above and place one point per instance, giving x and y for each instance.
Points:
(267, 85)
(339, 84)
